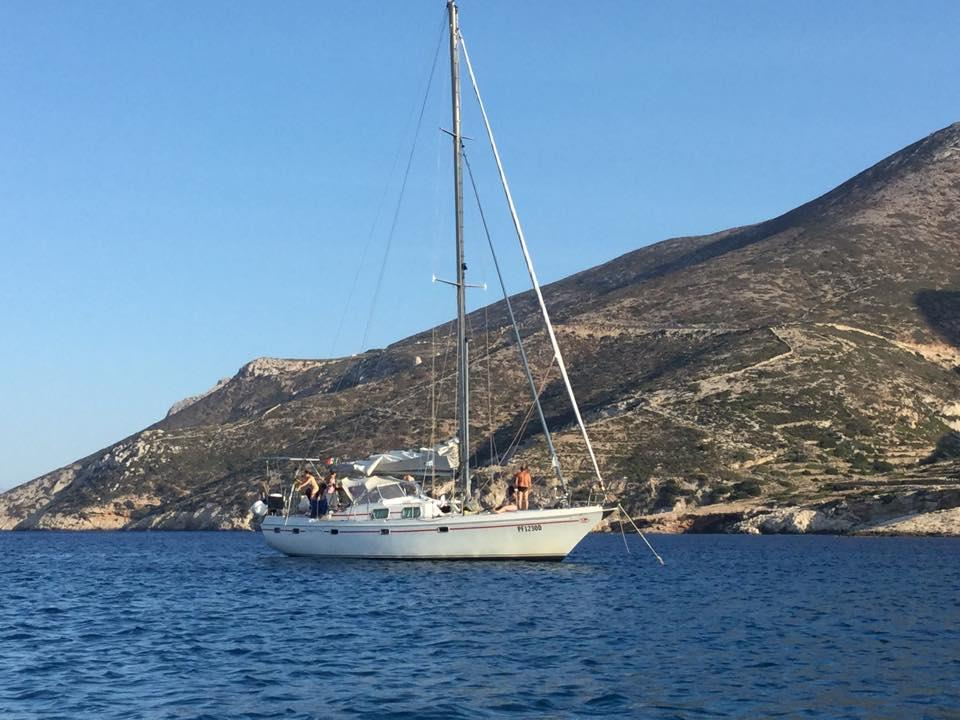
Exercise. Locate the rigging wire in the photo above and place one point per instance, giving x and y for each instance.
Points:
(642, 536)
(363, 254)
(486, 339)
(403, 187)
(393, 225)
(521, 431)
(433, 408)
(379, 213)
(554, 460)
(359, 366)
(530, 270)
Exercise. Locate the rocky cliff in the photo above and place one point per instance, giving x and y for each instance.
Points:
(800, 374)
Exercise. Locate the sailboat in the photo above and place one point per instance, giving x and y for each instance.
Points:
(389, 516)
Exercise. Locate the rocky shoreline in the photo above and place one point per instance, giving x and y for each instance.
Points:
(797, 375)
(882, 519)
(922, 502)
(919, 514)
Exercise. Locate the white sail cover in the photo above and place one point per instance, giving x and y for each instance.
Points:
(441, 460)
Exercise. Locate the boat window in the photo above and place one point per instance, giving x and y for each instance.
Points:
(388, 492)
(411, 512)
(380, 514)
(367, 498)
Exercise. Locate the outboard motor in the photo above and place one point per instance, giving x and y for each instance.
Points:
(258, 510)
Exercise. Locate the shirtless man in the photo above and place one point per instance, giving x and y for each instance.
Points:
(311, 488)
(523, 481)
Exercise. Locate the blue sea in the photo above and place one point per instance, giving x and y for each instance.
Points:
(216, 625)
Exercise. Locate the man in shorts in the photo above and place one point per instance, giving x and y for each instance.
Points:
(311, 488)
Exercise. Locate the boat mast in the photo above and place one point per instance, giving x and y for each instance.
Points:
(463, 399)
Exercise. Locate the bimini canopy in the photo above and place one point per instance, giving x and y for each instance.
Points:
(441, 461)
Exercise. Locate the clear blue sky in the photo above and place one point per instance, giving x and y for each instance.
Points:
(186, 186)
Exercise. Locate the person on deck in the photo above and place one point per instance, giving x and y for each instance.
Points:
(330, 495)
(523, 482)
(509, 503)
(311, 488)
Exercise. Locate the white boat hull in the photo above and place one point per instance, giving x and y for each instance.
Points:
(526, 535)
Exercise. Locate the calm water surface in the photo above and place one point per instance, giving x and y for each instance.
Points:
(215, 625)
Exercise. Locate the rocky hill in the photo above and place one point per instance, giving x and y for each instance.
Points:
(808, 364)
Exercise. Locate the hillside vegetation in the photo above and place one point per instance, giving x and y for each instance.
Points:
(810, 363)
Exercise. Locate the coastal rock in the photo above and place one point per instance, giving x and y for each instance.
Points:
(796, 521)
(940, 523)
(209, 517)
(29, 499)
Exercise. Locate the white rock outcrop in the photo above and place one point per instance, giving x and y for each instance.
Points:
(796, 521)
(188, 401)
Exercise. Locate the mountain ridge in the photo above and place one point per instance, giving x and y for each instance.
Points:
(766, 361)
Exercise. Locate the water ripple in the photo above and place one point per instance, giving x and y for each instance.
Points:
(214, 625)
